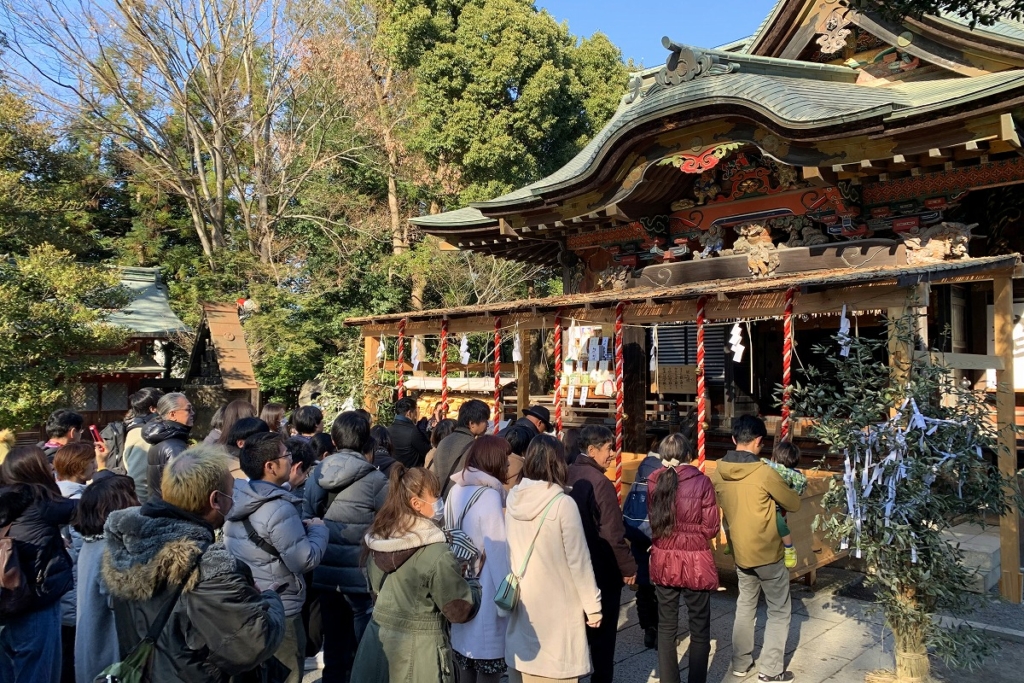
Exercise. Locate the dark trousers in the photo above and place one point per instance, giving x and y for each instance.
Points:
(67, 654)
(344, 618)
(602, 639)
(698, 606)
(646, 606)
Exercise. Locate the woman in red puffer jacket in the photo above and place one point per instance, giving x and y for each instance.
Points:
(684, 517)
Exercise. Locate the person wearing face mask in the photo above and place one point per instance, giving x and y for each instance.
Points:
(265, 530)
(222, 624)
(346, 491)
(419, 585)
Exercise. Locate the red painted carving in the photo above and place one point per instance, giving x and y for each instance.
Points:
(700, 161)
(945, 183)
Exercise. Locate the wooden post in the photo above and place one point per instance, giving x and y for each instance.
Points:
(1009, 539)
(523, 373)
(371, 346)
(636, 368)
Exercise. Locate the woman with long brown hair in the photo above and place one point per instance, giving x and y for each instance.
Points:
(418, 584)
(233, 412)
(684, 517)
(32, 508)
(558, 595)
(476, 505)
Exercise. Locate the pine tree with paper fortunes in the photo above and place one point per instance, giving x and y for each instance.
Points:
(914, 465)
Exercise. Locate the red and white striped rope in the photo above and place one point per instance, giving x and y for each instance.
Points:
(558, 373)
(787, 361)
(702, 414)
(444, 366)
(497, 372)
(400, 365)
(619, 405)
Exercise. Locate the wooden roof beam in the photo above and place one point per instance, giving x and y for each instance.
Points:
(819, 177)
(972, 150)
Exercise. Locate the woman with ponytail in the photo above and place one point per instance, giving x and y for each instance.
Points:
(418, 584)
(684, 517)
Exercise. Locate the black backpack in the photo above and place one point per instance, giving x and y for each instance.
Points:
(113, 436)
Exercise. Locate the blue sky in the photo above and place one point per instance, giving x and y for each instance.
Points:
(637, 26)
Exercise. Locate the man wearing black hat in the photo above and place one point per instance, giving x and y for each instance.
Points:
(535, 418)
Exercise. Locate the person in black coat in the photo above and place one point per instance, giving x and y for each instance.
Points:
(409, 444)
(167, 436)
(537, 419)
(30, 502)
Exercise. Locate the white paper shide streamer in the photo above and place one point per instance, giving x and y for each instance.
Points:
(844, 334)
(415, 356)
(381, 350)
(464, 350)
(517, 349)
(736, 343)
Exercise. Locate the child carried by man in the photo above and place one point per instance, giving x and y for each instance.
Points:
(784, 460)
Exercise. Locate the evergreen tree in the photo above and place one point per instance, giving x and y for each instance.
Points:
(918, 458)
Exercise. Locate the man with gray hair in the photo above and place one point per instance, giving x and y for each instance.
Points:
(167, 436)
(164, 554)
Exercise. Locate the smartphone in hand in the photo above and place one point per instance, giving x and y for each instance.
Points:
(95, 434)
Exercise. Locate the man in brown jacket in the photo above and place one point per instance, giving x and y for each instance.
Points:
(613, 564)
(748, 491)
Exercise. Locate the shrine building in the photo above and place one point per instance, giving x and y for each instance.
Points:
(742, 204)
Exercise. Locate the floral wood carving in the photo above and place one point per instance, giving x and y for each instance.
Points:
(833, 28)
(700, 161)
(942, 242)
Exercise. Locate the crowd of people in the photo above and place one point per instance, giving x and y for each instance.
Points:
(427, 550)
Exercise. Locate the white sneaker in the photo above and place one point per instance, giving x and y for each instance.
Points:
(743, 674)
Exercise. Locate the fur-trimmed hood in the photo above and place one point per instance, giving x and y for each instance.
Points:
(391, 553)
(153, 547)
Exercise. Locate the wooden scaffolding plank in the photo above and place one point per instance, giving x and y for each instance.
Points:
(1009, 538)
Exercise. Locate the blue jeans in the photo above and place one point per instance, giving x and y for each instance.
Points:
(345, 617)
(30, 647)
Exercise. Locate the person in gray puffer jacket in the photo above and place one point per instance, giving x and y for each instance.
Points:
(347, 492)
(265, 530)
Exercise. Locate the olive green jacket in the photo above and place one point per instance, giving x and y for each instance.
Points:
(419, 588)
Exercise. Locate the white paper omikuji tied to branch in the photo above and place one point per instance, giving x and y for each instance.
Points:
(464, 350)
(415, 357)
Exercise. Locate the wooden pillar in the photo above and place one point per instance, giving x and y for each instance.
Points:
(636, 367)
(523, 369)
(371, 346)
(1009, 539)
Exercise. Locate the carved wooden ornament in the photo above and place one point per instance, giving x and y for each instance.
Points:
(833, 28)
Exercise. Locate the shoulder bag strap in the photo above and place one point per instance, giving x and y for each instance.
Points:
(258, 540)
(165, 612)
(455, 464)
(475, 497)
(526, 560)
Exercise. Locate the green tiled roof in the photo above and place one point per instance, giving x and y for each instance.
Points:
(797, 95)
(149, 314)
(1004, 27)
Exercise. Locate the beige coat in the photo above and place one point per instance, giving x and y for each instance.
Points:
(557, 594)
(136, 452)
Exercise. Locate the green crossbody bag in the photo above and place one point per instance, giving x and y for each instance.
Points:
(507, 596)
(132, 668)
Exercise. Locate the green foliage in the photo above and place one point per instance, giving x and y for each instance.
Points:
(984, 12)
(54, 315)
(908, 478)
(511, 97)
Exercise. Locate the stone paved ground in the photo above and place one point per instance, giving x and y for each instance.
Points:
(832, 638)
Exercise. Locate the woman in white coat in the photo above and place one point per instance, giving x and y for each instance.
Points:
(558, 596)
(478, 499)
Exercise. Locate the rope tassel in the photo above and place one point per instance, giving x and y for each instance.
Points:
(401, 358)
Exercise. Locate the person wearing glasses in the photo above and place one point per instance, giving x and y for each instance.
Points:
(265, 530)
(221, 624)
(167, 437)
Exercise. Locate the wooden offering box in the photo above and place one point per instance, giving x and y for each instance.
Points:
(813, 549)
